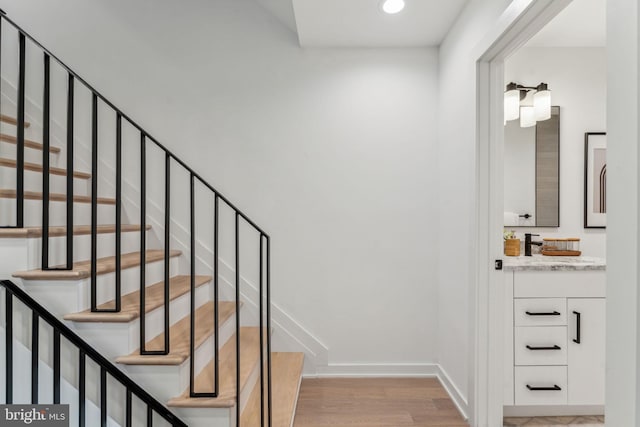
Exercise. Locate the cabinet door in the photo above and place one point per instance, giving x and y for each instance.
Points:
(586, 358)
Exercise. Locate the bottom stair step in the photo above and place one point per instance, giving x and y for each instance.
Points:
(286, 374)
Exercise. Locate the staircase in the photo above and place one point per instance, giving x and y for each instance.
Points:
(150, 265)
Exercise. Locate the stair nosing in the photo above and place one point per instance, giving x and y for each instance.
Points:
(34, 145)
(12, 120)
(35, 167)
(58, 231)
(82, 269)
(55, 197)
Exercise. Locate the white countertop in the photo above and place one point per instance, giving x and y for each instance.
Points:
(553, 263)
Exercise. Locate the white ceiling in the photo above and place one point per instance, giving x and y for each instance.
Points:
(581, 24)
(361, 23)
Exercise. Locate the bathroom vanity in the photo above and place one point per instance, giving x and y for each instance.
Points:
(554, 336)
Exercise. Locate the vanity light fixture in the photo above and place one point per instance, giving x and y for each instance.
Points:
(393, 6)
(528, 103)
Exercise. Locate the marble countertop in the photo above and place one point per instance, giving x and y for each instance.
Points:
(553, 263)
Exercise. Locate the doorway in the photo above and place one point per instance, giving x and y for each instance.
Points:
(520, 22)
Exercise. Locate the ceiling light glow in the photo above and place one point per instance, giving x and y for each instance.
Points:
(393, 6)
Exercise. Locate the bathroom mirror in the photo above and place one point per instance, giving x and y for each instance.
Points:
(532, 173)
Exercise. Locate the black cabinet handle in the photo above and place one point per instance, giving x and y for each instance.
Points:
(555, 347)
(553, 313)
(554, 388)
(577, 339)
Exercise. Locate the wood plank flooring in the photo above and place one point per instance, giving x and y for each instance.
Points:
(375, 402)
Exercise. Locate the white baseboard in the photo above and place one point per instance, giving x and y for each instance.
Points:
(458, 398)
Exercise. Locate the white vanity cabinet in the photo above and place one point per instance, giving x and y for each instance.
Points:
(554, 338)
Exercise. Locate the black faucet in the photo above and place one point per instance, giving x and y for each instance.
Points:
(528, 243)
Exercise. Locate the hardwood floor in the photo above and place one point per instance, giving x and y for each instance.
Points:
(375, 402)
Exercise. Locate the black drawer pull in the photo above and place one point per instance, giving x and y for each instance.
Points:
(553, 313)
(555, 347)
(577, 338)
(554, 388)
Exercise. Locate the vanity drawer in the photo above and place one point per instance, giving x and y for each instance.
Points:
(541, 385)
(540, 312)
(544, 345)
(558, 284)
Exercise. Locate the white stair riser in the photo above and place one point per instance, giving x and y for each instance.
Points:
(171, 381)
(118, 339)
(207, 417)
(82, 247)
(58, 213)
(33, 182)
(70, 296)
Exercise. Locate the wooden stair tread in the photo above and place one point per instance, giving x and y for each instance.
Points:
(130, 308)
(57, 231)
(28, 143)
(82, 269)
(180, 337)
(34, 167)
(249, 358)
(55, 197)
(250, 416)
(286, 375)
(12, 120)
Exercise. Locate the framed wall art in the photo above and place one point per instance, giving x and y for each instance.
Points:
(595, 180)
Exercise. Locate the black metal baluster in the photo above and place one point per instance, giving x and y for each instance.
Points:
(128, 412)
(269, 403)
(20, 135)
(56, 366)
(260, 295)
(149, 416)
(9, 347)
(103, 397)
(237, 318)
(167, 248)
(46, 146)
(118, 212)
(192, 327)
(85, 351)
(70, 124)
(94, 202)
(143, 241)
(35, 356)
(216, 326)
(82, 371)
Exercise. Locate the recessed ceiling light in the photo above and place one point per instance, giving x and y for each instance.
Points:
(393, 6)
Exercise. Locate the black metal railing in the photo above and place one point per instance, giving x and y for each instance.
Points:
(84, 350)
(171, 160)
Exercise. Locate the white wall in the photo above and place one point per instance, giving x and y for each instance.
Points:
(332, 151)
(457, 172)
(623, 275)
(577, 79)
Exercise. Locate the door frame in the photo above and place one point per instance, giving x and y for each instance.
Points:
(520, 21)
